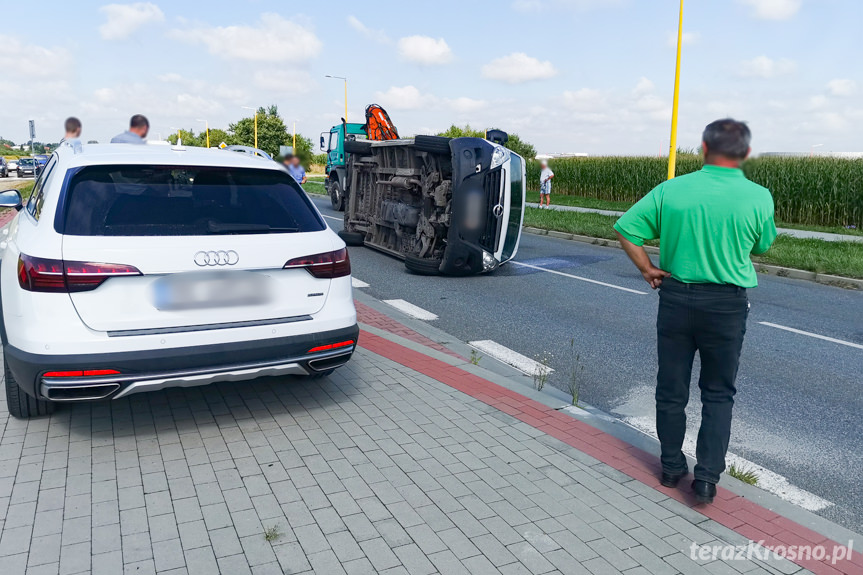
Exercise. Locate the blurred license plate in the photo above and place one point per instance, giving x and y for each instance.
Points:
(201, 290)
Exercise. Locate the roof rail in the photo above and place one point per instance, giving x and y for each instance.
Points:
(248, 150)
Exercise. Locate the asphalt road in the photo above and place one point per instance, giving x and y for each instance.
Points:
(799, 397)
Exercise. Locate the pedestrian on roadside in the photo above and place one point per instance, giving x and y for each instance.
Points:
(73, 129)
(297, 171)
(708, 223)
(139, 127)
(545, 177)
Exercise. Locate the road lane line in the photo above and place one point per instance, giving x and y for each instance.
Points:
(510, 357)
(358, 283)
(333, 217)
(810, 334)
(579, 278)
(410, 309)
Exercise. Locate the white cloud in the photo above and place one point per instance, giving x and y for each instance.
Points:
(404, 98)
(369, 33)
(273, 39)
(688, 38)
(464, 105)
(284, 82)
(123, 20)
(644, 86)
(518, 67)
(773, 9)
(842, 87)
(764, 67)
(18, 59)
(425, 50)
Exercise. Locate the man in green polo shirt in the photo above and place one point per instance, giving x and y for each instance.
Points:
(707, 223)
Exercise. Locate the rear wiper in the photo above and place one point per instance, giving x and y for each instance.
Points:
(219, 228)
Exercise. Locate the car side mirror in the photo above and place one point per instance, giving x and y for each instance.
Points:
(323, 144)
(11, 199)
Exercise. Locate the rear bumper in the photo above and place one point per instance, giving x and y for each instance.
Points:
(178, 367)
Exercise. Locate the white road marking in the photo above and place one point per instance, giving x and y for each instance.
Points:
(358, 283)
(810, 334)
(579, 278)
(333, 217)
(510, 357)
(410, 309)
(767, 480)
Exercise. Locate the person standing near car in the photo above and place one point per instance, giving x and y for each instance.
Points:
(73, 129)
(545, 177)
(139, 127)
(297, 171)
(708, 223)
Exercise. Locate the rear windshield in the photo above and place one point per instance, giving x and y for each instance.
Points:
(185, 201)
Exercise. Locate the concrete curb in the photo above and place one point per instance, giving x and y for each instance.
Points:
(512, 379)
(767, 269)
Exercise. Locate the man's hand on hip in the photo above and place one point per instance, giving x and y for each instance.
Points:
(654, 276)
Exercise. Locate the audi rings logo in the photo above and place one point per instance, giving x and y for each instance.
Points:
(497, 211)
(216, 258)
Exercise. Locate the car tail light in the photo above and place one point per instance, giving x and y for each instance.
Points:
(332, 346)
(58, 276)
(81, 373)
(327, 265)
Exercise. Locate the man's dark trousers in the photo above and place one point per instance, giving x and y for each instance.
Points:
(711, 319)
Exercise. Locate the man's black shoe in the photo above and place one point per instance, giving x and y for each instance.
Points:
(671, 479)
(704, 491)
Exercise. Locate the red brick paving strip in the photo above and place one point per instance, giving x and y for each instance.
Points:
(731, 510)
(6, 216)
(376, 319)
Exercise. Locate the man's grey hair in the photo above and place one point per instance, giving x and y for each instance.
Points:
(727, 137)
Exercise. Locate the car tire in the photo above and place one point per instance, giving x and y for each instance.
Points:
(21, 405)
(353, 238)
(434, 144)
(422, 266)
(358, 147)
(337, 195)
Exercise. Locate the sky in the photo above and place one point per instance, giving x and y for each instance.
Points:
(592, 76)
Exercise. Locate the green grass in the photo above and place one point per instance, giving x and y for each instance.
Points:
(315, 187)
(834, 258)
(744, 474)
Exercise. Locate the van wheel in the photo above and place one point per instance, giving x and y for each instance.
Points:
(337, 196)
(422, 266)
(21, 405)
(352, 238)
(434, 144)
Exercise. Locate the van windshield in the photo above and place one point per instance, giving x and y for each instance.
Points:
(185, 201)
(516, 206)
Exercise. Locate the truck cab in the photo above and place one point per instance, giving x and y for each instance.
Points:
(333, 142)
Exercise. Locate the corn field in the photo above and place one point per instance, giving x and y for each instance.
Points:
(816, 191)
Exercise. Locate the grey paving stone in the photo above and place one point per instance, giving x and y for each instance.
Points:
(201, 561)
(108, 563)
(75, 558)
(379, 553)
(168, 555)
(234, 564)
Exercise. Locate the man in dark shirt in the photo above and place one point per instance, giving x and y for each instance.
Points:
(707, 223)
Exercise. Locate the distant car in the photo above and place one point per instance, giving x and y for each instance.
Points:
(11, 167)
(42, 159)
(26, 167)
(4, 167)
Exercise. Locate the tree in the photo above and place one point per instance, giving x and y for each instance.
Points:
(272, 131)
(515, 143)
(217, 136)
(188, 138)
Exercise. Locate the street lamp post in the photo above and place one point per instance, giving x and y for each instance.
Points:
(179, 138)
(672, 152)
(256, 122)
(207, 127)
(346, 92)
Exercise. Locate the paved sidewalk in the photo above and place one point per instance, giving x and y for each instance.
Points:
(826, 236)
(404, 461)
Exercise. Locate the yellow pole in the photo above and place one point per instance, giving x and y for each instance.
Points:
(672, 151)
(294, 140)
(346, 99)
(256, 129)
(208, 134)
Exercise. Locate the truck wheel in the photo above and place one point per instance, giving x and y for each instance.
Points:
(358, 147)
(337, 196)
(352, 238)
(21, 405)
(434, 144)
(422, 266)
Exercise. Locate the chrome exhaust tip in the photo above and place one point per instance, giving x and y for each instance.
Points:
(87, 392)
(330, 362)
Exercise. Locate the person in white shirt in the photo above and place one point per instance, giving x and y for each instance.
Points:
(545, 178)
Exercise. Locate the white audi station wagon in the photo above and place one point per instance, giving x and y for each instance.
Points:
(140, 267)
